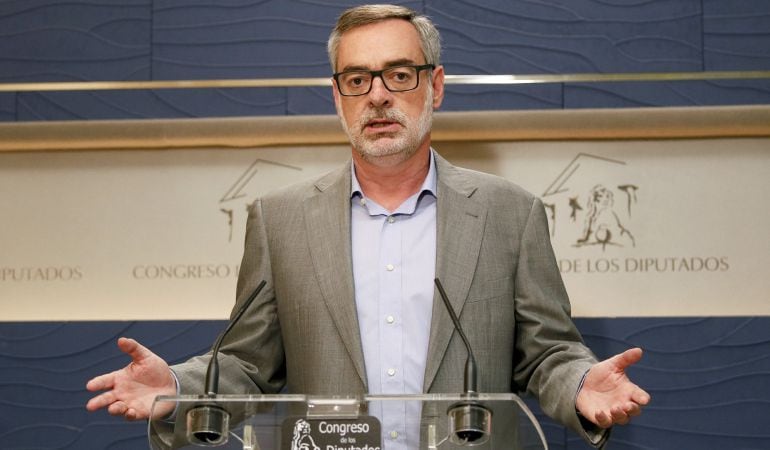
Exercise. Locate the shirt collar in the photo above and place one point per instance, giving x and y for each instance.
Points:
(428, 185)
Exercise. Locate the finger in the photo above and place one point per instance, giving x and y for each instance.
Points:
(117, 409)
(101, 382)
(628, 357)
(632, 409)
(602, 419)
(640, 396)
(134, 349)
(130, 414)
(619, 416)
(100, 401)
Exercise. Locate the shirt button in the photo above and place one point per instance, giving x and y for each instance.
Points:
(390, 319)
(362, 201)
(394, 434)
(391, 372)
(391, 219)
(390, 267)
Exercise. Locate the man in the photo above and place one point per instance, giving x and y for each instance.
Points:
(350, 258)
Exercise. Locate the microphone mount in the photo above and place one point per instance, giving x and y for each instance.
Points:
(208, 423)
(470, 422)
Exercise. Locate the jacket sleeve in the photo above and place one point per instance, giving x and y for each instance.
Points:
(550, 358)
(251, 357)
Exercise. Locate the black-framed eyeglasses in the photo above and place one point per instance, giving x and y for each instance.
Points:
(352, 83)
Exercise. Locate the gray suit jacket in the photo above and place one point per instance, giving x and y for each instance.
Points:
(494, 259)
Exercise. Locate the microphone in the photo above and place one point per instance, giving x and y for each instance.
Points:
(470, 422)
(208, 423)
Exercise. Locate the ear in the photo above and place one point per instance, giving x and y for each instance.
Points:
(335, 94)
(438, 86)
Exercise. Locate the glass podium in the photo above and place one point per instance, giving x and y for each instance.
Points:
(368, 422)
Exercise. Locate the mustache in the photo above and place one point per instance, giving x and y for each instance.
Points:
(390, 114)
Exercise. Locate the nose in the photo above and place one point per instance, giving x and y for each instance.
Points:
(379, 95)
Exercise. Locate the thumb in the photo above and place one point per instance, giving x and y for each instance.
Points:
(134, 349)
(627, 358)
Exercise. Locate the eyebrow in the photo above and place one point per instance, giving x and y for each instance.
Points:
(389, 64)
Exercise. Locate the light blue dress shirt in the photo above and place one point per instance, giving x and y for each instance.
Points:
(394, 264)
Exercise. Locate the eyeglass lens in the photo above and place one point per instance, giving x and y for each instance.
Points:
(396, 79)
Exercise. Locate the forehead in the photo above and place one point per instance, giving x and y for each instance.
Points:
(375, 45)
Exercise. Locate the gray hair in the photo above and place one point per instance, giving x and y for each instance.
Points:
(430, 41)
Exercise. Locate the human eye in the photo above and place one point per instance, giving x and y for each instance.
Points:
(355, 80)
(402, 76)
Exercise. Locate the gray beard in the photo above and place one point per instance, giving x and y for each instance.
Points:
(399, 149)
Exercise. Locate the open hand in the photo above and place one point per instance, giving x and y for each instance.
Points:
(130, 391)
(608, 396)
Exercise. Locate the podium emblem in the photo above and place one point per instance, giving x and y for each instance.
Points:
(317, 433)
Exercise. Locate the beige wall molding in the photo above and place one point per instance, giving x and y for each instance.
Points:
(250, 132)
(326, 81)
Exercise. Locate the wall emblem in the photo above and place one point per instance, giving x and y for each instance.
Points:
(248, 186)
(590, 203)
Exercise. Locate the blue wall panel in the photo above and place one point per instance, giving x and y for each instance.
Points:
(555, 37)
(44, 367)
(310, 100)
(708, 377)
(102, 40)
(246, 39)
(46, 40)
(521, 97)
(164, 103)
(676, 93)
(87, 105)
(7, 106)
(736, 35)
(569, 37)
(227, 102)
(709, 380)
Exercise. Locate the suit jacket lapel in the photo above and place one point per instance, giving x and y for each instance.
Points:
(327, 223)
(460, 226)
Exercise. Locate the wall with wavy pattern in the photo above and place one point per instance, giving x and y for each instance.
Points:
(708, 376)
(139, 40)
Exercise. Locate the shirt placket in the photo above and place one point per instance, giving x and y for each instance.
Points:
(391, 329)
